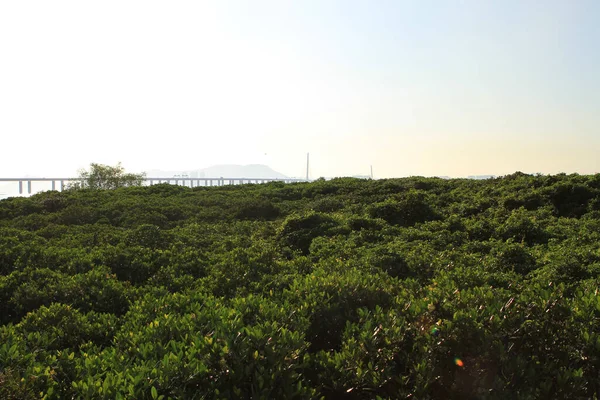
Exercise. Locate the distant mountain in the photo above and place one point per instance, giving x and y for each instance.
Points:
(252, 171)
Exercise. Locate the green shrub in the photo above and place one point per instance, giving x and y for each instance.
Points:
(513, 257)
(333, 300)
(407, 210)
(257, 209)
(298, 231)
(148, 235)
(61, 326)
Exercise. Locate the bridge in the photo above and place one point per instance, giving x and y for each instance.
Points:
(61, 183)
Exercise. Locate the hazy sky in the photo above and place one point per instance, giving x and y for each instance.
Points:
(411, 87)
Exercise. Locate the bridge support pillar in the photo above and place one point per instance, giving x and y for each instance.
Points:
(29, 187)
(20, 187)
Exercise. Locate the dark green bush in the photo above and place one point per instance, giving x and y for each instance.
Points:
(260, 209)
(148, 235)
(522, 227)
(407, 210)
(513, 257)
(328, 204)
(60, 326)
(298, 231)
(334, 300)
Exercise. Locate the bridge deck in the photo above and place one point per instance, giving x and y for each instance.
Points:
(191, 182)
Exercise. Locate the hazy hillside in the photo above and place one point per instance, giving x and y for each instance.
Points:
(223, 171)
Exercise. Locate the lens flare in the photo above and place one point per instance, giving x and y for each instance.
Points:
(459, 362)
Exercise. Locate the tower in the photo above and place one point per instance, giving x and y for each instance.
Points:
(307, 164)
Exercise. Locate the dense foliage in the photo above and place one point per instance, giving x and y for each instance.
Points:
(102, 176)
(342, 289)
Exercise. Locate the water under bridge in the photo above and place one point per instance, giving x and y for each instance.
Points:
(63, 183)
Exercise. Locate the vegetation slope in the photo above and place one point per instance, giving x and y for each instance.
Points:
(342, 289)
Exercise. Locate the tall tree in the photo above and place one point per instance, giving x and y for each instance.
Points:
(102, 176)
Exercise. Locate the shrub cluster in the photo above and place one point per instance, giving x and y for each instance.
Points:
(345, 289)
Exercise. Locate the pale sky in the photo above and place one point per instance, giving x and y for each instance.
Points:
(451, 88)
